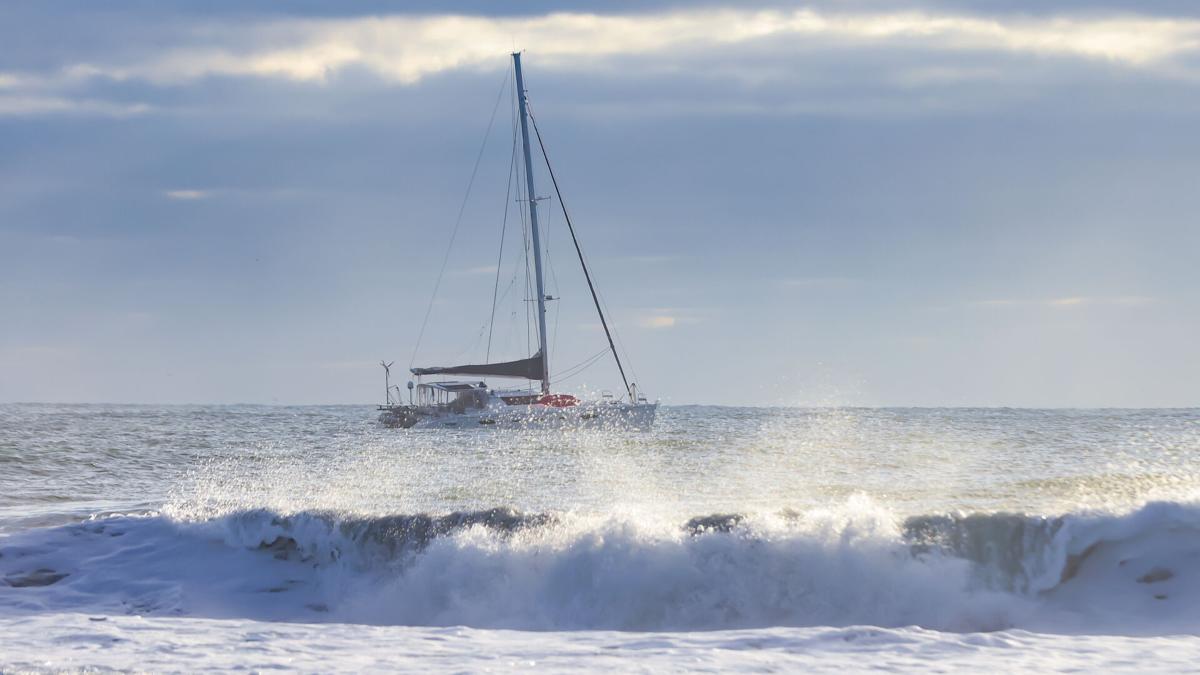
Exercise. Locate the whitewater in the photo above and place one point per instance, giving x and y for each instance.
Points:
(192, 538)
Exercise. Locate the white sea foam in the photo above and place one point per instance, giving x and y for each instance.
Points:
(1132, 574)
(74, 642)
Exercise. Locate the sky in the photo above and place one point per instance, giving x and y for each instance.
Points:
(852, 202)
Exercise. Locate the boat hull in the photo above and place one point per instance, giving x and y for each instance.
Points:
(616, 416)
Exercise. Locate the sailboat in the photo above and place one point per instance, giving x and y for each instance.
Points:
(467, 402)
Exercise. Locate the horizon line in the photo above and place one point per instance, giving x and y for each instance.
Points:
(776, 406)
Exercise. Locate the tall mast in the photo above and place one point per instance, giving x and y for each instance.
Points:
(533, 226)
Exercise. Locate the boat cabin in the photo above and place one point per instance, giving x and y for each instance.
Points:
(456, 395)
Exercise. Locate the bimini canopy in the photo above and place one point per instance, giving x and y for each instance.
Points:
(530, 369)
(454, 386)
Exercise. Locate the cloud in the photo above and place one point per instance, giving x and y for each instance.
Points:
(16, 105)
(1066, 302)
(1069, 301)
(406, 49)
(1120, 300)
(660, 321)
(187, 195)
(804, 61)
(670, 317)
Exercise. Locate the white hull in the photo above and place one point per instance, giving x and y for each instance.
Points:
(616, 416)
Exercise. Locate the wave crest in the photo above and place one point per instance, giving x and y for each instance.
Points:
(501, 568)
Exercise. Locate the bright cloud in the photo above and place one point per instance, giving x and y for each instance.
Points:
(406, 49)
(657, 322)
(187, 195)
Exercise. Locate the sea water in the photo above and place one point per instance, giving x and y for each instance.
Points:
(192, 538)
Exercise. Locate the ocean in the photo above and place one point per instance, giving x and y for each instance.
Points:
(193, 538)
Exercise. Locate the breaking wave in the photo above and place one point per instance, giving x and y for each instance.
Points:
(499, 568)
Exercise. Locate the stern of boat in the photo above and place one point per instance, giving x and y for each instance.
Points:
(397, 416)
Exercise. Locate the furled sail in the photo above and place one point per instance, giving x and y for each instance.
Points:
(530, 369)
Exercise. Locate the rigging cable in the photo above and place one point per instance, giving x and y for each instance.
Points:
(586, 274)
(458, 221)
(620, 343)
(553, 279)
(580, 367)
(512, 162)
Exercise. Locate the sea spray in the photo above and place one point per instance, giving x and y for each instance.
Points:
(501, 568)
